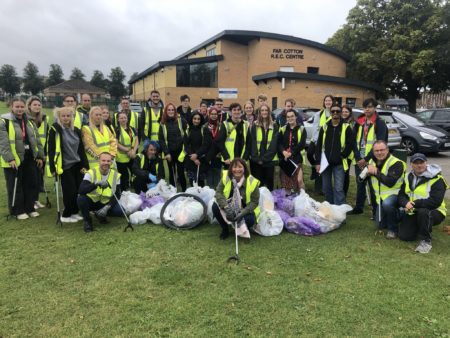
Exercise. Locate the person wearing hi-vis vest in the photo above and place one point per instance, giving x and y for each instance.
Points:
(150, 118)
(127, 146)
(237, 197)
(367, 130)
(171, 138)
(132, 116)
(386, 173)
(234, 138)
(422, 197)
(263, 156)
(19, 155)
(96, 192)
(334, 146)
(82, 111)
(97, 138)
(34, 113)
(148, 167)
(67, 160)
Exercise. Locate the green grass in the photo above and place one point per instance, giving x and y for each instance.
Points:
(59, 281)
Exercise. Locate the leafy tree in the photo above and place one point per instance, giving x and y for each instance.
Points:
(55, 75)
(116, 87)
(98, 80)
(9, 80)
(77, 74)
(32, 81)
(402, 45)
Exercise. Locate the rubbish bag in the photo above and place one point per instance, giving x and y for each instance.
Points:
(140, 217)
(286, 205)
(130, 202)
(269, 223)
(162, 189)
(284, 215)
(303, 226)
(155, 213)
(149, 202)
(211, 218)
(205, 193)
(183, 211)
(265, 199)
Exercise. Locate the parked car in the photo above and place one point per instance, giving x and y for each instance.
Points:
(134, 106)
(436, 117)
(307, 116)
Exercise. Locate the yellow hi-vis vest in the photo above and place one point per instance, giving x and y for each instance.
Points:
(133, 120)
(371, 138)
(57, 158)
(43, 130)
(384, 191)
(12, 144)
(101, 141)
(422, 191)
(231, 139)
(127, 141)
(323, 118)
(182, 155)
(103, 195)
(155, 123)
(142, 159)
(78, 119)
(299, 137)
(250, 185)
(343, 132)
(269, 140)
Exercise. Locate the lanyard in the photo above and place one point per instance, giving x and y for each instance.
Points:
(24, 131)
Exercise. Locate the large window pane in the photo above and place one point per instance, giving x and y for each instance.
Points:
(197, 75)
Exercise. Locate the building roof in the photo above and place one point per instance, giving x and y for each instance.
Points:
(315, 77)
(241, 37)
(75, 86)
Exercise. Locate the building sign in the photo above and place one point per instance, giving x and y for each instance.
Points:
(228, 93)
(287, 53)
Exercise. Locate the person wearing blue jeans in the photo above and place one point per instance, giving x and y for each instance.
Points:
(334, 191)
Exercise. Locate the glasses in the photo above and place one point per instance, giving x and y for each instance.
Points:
(335, 111)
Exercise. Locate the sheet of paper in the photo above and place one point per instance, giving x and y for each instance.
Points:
(323, 163)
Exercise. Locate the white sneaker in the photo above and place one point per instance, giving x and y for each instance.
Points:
(68, 220)
(38, 204)
(34, 214)
(22, 217)
(77, 217)
(424, 247)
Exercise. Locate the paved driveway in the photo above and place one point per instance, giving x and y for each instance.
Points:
(443, 159)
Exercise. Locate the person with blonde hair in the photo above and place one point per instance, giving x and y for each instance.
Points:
(97, 138)
(66, 159)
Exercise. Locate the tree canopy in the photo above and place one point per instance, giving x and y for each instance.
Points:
(98, 80)
(32, 81)
(9, 80)
(402, 45)
(55, 75)
(116, 86)
(77, 74)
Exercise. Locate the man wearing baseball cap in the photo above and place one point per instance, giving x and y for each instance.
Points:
(422, 197)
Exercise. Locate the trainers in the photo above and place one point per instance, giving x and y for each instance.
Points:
(68, 219)
(391, 235)
(77, 217)
(424, 247)
(38, 205)
(355, 211)
(101, 219)
(88, 227)
(224, 234)
(22, 217)
(34, 214)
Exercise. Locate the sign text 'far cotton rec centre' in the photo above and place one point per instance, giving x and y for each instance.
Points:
(239, 65)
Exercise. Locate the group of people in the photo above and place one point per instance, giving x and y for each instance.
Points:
(95, 155)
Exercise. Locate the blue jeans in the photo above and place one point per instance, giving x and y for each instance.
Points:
(334, 193)
(390, 214)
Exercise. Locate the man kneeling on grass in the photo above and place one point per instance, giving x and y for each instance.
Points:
(96, 192)
(422, 197)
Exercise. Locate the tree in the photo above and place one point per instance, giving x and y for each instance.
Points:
(9, 80)
(404, 46)
(32, 81)
(77, 74)
(98, 80)
(55, 75)
(116, 87)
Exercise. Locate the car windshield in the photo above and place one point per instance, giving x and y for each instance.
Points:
(410, 119)
(387, 118)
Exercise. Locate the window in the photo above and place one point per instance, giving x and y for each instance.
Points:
(312, 70)
(425, 115)
(197, 75)
(351, 101)
(274, 103)
(211, 52)
(441, 115)
(287, 69)
(338, 100)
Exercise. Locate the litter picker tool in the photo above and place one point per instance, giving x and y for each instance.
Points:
(236, 208)
(13, 204)
(129, 225)
(58, 217)
(47, 202)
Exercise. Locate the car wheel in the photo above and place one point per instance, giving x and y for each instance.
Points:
(409, 145)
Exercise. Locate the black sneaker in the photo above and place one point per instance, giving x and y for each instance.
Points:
(101, 220)
(355, 211)
(88, 227)
(224, 235)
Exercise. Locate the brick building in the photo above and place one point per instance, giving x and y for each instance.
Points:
(239, 65)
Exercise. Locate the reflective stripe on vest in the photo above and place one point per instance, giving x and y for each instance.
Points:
(154, 121)
(58, 156)
(42, 130)
(133, 120)
(369, 141)
(269, 140)
(422, 191)
(299, 137)
(127, 141)
(101, 141)
(250, 185)
(99, 194)
(78, 119)
(343, 132)
(12, 143)
(231, 139)
(384, 191)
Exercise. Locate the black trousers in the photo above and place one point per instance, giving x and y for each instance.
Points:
(124, 169)
(39, 183)
(27, 185)
(347, 178)
(70, 182)
(139, 184)
(176, 167)
(264, 174)
(419, 225)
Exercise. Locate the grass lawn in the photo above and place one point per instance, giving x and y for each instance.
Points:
(59, 281)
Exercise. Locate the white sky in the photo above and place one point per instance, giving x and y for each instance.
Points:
(102, 34)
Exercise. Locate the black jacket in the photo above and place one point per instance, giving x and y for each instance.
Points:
(239, 142)
(148, 168)
(297, 145)
(175, 137)
(381, 133)
(266, 151)
(197, 141)
(333, 150)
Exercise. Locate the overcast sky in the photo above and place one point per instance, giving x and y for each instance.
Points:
(102, 34)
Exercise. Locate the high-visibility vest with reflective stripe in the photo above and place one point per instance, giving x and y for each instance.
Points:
(323, 118)
(183, 152)
(371, 138)
(12, 144)
(155, 123)
(78, 118)
(269, 140)
(43, 131)
(422, 191)
(299, 137)
(180, 127)
(101, 141)
(250, 185)
(127, 141)
(133, 120)
(165, 166)
(58, 156)
(99, 194)
(384, 191)
(231, 139)
(343, 132)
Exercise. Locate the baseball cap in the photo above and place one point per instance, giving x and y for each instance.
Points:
(418, 156)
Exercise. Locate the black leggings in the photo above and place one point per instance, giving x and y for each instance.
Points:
(176, 167)
(124, 169)
(70, 182)
(264, 174)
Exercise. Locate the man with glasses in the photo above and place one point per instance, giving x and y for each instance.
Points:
(368, 129)
(334, 145)
(386, 173)
(69, 100)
